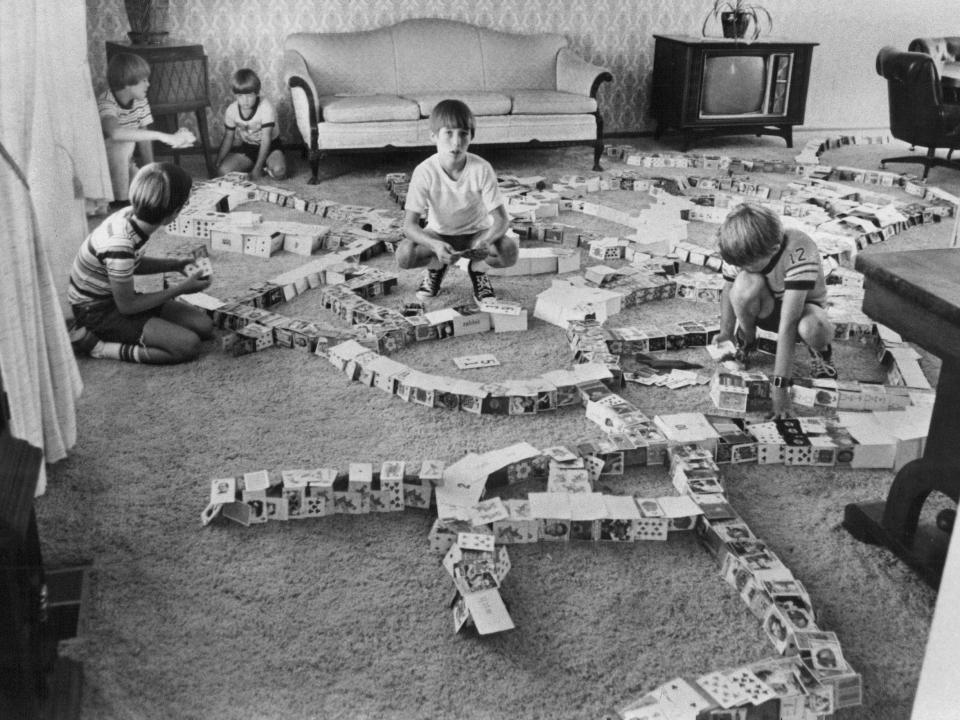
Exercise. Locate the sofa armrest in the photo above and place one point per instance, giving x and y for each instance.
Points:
(303, 96)
(576, 75)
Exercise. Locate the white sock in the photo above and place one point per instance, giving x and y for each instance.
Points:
(117, 351)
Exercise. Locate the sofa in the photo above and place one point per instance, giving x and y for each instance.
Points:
(375, 89)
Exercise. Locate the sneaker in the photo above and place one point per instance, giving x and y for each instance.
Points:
(482, 289)
(82, 340)
(744, 352)
(821, 363)
(430, 285)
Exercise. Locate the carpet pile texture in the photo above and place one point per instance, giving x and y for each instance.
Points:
(347, 616)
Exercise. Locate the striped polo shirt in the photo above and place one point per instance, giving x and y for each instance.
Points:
(795, 266)
(138, 115)
(112, 250)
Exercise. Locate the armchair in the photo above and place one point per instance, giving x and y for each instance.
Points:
(918, 114)
(945, 52)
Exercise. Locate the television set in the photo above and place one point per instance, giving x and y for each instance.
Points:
(713, 86)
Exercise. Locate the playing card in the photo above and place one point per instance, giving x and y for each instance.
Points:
(560, 453)
(209, 513)
(680, 699)
(475, 541)
(471, 362)
(722, 689)
(756, 690)
(488, 611)
(223, 490)
(277, 508)
(488, 511)
(651, 528)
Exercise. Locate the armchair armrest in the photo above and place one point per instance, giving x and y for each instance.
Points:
(576, 75)
(941, 49)
(303, 95)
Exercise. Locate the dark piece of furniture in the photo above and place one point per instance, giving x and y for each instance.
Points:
(37, 607)
(178, 83)
(945, 52)
(918, 114)
(916, 294)
(684, 83)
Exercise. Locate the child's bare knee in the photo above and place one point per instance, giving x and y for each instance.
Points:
(187, 349)
(205, 328)
(506, 252)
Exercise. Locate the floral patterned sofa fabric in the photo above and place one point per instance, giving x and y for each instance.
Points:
(376, 88)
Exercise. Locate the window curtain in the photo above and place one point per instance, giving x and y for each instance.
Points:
(52, 155)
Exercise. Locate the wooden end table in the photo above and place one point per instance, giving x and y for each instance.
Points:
(916, 293)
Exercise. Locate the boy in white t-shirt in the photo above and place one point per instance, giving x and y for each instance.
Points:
(456, 192)
(251, 139)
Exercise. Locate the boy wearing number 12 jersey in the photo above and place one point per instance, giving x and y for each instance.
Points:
(777, 283)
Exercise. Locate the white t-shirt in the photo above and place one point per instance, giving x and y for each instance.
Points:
(248, 130)
(454, 207)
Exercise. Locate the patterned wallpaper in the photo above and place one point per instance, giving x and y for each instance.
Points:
(845, 91)
(237, 33)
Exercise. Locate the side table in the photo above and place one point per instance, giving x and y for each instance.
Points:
(916, 294)
(178, 83)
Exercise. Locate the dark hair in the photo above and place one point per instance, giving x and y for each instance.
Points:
(452, 114)
(749, 233)
(126, 69)
(158, 191)
(245, 81)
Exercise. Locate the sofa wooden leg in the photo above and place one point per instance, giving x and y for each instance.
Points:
(597, 152)
(314, 167)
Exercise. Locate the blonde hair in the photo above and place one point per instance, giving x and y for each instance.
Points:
(749, 233)
(159, 190)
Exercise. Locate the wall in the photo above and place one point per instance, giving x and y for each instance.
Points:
(845, 92)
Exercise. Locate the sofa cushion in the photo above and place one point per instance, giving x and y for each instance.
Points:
(339, 136)
(550, 102)
(552, 128)
(367, 108)
(436, 56)
(480, 103)
(356, 63)
(513, 61)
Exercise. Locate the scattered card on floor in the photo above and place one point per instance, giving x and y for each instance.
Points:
(472, 362)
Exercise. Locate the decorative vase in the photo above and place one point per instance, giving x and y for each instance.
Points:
(734, 24)
(148, 20)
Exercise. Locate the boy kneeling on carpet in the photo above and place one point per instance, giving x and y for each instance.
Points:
(112, 319)
(778, 285)
(457, 193)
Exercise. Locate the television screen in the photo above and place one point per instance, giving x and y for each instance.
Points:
(733, 85)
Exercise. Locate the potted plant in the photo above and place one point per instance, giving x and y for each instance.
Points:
(737, 17)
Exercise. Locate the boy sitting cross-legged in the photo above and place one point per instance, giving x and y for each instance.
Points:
(457, 192)
(777, 284)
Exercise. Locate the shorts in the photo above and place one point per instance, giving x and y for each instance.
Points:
(104, 320)
(458, 242)
(772, 321)
(252, 152)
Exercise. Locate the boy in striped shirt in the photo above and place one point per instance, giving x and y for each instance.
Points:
(125, 118)
(113, 320)
(777, 284)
